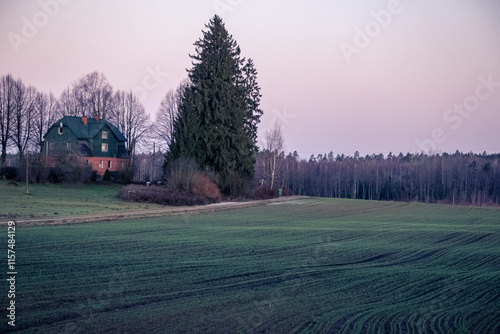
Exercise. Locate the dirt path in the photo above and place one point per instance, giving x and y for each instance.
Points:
(168, 211)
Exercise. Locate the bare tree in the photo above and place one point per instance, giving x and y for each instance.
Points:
(273, 163)
(45, 115)
(23, 116)
(130, 117)
(69, 105)
(91, 95)
(94, 94)
(7, 97)
(167, 113)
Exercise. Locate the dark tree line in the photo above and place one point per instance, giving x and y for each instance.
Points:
(459, 178)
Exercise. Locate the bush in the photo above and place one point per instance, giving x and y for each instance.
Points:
(235, 184)
(185, 177)
(9, 173)
(70, 171)
(107, 176)
(203, 186)
(263, 192)
(160, 195)
(180, 174)
(287, 191)
(126, 175)
(38, 172)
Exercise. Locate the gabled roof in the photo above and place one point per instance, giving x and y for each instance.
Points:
(90, 130)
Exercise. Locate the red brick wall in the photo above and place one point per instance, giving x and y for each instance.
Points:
(117, 164)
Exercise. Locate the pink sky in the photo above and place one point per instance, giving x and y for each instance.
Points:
(393, 93)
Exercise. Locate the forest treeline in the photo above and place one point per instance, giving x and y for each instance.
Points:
(459, 178)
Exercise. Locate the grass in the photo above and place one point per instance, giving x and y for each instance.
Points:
(308, 266)
(52, 200)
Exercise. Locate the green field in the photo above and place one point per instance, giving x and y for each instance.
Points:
(307, 266)
(55, 200)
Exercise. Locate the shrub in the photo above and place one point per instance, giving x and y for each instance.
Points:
(184, 176)
(287, 191)
(38, 172)
(235, 184)
(9, 173)
(107, 176)
(94, 177)
(160, 195)
(70, 171)
(263, 192)
(126, 175)
(180, 174)
(203, 186)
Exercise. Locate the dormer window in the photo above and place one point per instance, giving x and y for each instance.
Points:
(105, 135)
(61, 129)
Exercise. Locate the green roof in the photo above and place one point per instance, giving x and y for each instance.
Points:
(90, 130)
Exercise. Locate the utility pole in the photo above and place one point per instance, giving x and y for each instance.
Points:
(153, 169)
(27, 176)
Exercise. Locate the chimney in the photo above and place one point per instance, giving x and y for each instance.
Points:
(84, 120)
(96, 117)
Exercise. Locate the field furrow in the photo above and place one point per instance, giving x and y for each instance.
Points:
(317, 266)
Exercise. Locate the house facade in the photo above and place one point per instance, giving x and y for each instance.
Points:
(94, 141)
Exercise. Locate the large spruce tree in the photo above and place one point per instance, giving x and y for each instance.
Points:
(219, 112)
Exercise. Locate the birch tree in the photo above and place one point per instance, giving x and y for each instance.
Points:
(273, 163)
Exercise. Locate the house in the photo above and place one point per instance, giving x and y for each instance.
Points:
(92, 140)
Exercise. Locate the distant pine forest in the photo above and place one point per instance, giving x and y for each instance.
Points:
(459, 178)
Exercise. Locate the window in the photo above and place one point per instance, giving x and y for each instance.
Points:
(105, 135)
(104, 147)
(61, 129)
(101, 164)
(51, 146)
(68, 145)
(109, 164)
